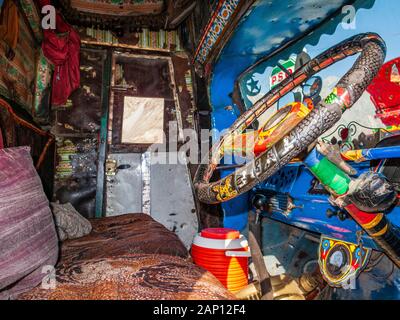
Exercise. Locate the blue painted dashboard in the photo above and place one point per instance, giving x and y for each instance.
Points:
(268, 26)
(310, 210)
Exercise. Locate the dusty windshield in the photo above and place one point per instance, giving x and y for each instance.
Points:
(376, 112)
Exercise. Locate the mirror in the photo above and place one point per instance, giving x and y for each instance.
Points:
(312, 87)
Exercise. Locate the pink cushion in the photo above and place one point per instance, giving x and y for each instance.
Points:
(28, 239)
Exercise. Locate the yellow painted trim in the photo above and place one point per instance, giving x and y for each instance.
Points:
(374, 222)
(353, 155)
(381, 233)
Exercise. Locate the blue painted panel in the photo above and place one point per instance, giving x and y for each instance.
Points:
(248, 45)
(382, 153)
(310, 213)
(267, 26)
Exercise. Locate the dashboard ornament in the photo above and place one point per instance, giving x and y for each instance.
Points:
(341, 262)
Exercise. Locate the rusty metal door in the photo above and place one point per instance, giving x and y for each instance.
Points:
(142, 105)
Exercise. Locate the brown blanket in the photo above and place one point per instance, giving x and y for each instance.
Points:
(121, 235)
(137, 276)
(129, 257)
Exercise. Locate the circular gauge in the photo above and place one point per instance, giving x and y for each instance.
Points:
(338, 261)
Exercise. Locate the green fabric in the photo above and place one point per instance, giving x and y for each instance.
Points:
(331, 176)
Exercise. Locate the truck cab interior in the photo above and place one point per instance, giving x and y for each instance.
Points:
(199, 150)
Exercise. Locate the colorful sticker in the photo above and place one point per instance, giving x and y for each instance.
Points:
(340, 96)
(225, 191)
(278, 75)
(333, 97)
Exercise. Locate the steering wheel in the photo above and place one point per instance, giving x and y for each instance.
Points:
(301, 135)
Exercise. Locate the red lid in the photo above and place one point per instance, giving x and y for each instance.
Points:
(220, 233)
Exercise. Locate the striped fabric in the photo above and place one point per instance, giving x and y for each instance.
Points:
(162, 39)
(28, 239)
(21, 70)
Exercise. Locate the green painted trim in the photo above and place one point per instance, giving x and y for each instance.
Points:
(103, 136)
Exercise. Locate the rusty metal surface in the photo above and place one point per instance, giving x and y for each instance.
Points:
(152, 76)
(184, 86)
(141, 76)
(77, 127)
(83, 111)
(76, 173)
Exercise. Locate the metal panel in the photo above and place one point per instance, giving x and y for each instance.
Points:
(172, 201)
(124, 189)
(162, 190)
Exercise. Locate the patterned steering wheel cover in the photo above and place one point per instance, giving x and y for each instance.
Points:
(323, 117)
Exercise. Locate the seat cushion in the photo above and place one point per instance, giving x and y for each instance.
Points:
(28, 240)
(121, 235)
(128, 257)
(132, 277)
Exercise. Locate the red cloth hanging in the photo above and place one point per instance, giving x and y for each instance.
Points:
(61, 47)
